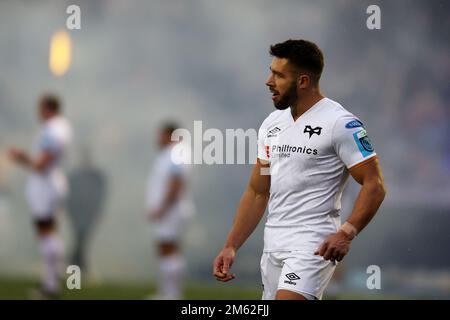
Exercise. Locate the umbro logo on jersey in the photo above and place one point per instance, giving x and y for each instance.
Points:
(292, 277)
(273, 132)
(311, 130)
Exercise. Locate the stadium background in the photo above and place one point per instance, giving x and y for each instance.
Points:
(137, 63)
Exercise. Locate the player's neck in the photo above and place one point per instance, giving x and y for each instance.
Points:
(305, 103)
(50, 117)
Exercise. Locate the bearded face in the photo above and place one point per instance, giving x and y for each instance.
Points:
(282, 84)
(284, 100)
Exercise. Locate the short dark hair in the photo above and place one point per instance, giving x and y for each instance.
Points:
(303, 54)
(51, 102)
(169, 127)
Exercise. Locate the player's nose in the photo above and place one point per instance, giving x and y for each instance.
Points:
(270, 82)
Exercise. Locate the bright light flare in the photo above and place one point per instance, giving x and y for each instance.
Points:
(60, 53)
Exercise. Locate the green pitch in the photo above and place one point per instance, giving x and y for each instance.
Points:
(19, 289)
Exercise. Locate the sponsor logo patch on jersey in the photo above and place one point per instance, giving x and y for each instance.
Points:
(363, 142)
(354, 124)
(285, 151)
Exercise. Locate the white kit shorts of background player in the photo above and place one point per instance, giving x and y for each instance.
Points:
(46, 190)
(309, 161)
(167, 165)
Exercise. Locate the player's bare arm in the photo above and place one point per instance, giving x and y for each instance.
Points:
(249, 213)
(370, 197)
(39, 164)
(174, 189)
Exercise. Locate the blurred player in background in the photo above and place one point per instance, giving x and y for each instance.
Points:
(169, 206)
(309, 146)
(47, 187)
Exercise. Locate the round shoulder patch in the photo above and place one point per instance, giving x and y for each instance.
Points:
(367, 145)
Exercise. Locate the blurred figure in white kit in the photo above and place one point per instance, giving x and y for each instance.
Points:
(47, 188)
(169, 208)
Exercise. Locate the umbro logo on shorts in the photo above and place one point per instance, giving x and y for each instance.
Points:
(311, 130)
(292, 277)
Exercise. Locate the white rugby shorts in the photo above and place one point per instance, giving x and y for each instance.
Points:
(301, 272)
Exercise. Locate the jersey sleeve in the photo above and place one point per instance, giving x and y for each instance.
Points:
(351, 142)
(178, 158)
(262, 148)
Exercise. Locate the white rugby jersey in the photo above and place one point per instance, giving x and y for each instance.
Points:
(167, 165)
(45, 189)
(309, 161)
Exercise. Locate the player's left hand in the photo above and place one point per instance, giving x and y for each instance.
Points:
(335, 247)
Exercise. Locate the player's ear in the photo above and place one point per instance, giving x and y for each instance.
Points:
(303, 81)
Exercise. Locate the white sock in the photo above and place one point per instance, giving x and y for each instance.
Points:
(52, 252)
(172, 272)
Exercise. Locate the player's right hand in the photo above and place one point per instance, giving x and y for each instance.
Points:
(16, 154)
(222, 265)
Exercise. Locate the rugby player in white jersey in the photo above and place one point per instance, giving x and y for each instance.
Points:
(307, 148)
(47, 187)
(169, 206)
